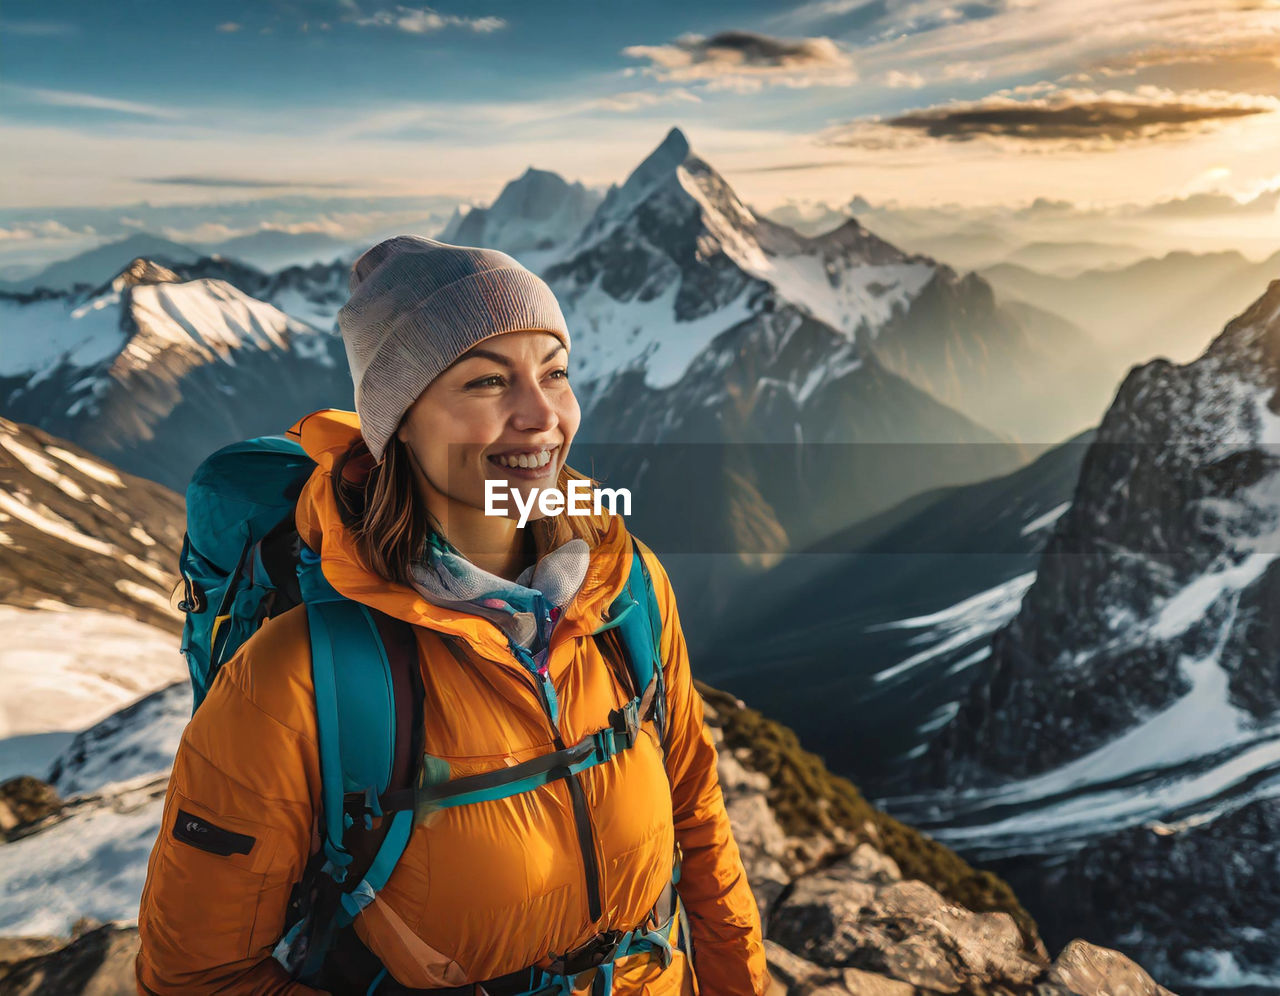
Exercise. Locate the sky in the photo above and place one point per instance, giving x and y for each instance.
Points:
(913, 102)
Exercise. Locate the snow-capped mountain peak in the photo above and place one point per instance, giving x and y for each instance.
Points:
(153, 370)
(674, 256)
(657, 168)
(208, 316)
(534, 218)
(139, 271)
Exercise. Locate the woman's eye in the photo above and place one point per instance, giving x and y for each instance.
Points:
(496, 380)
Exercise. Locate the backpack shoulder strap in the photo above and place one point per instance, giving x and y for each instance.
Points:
(368, 691)
(637, 618)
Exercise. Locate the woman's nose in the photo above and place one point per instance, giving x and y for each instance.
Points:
(533, 408)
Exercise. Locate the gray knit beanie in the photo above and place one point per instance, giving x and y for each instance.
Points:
(416, 305)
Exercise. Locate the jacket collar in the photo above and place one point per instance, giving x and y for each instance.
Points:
(326, 435)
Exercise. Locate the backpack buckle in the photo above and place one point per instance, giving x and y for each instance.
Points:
(625, 722)
(594, 953)
(361, 806)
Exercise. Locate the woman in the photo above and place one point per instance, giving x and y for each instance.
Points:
(459, 357)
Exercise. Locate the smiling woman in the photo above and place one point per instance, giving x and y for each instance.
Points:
(567, 833)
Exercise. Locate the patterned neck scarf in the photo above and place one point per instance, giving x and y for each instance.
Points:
(526, 610)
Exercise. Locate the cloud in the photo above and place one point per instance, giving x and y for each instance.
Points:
(893, 18)
(953, 40)
(1244, 63)
(229, 26)
(1204, 52)
(903, 81)
(49, 228)
(745, 61)
(423, 20)
(89, 101)
(35, 29)
(218, 231)
(223, 181)
(1038, 114)
(786, 167)
(478, 122)
(821, 10)
(636, 100)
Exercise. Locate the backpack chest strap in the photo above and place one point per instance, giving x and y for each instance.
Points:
(596, 748)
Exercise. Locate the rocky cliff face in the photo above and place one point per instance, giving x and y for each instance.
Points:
(1160, 578)
(1125, 745)
(852, 901)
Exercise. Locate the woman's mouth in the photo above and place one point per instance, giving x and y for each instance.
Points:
(528, 466)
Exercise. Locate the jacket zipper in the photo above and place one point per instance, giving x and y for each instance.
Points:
(581, 817)
(581, 813)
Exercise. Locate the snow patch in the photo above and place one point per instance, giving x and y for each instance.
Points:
(141, 593)
(87, 467)
(64, 670)
(1188, 606)
(91, 864)
(959, 625)
(20, 506)
(36, 337)
(42, 467)
(1046, 520)
(612, 335)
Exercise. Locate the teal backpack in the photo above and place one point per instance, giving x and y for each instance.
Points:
(242, 563)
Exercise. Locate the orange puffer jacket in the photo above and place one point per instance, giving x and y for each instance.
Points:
(483, 889)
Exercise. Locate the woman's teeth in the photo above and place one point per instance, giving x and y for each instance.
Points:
(530, 461)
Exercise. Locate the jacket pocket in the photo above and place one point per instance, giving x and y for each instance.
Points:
(216, 883)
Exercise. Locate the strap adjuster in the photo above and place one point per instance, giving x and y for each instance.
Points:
(605, 743)
(626, 720)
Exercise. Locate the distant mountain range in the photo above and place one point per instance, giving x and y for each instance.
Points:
(967, 243)
(695, 322)
(1154, 307)
(267, 250)
(274, 249)
(97, 266)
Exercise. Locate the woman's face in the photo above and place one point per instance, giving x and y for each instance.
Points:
(504, 402)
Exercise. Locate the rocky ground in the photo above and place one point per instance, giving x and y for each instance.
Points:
(852, 901)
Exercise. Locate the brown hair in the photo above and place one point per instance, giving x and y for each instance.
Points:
(381, 507)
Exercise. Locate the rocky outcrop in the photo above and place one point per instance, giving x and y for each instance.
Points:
(23, 801)
(854, 902)
(97, 962)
